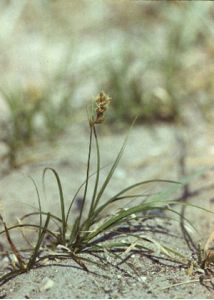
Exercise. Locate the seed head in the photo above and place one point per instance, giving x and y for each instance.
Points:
(102, 101)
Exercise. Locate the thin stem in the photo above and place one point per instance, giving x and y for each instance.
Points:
(78, 190)
(39, 203)
(98, 168)
(92, 206)
(113, 168)
(78, 221)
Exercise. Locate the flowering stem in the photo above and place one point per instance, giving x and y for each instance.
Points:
(86, 184)
(92, 206)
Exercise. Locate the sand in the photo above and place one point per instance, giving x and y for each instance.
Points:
(150, 153)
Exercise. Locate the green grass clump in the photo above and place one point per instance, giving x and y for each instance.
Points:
(35, 114)
(24, 105)
(87, 231)
(56, 115)
(133, 97)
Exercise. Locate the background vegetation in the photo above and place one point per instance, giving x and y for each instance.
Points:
(154, 58)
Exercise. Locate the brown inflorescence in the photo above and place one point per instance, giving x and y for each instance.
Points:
(102, 102)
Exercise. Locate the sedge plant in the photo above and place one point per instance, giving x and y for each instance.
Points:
(84, 233)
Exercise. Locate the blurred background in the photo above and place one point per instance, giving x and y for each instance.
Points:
(154, 58)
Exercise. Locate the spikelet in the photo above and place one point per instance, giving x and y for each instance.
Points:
(102, 101)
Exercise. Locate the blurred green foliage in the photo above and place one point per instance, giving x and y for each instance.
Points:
(154, 58)
(34, 114)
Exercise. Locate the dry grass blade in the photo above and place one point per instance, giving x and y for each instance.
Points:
(22, 265)
(183, 283)
(14, 249)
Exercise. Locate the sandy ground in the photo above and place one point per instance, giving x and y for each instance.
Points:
(150, 153)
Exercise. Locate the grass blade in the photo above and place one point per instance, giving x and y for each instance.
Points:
(37, 247)
(117, 219)
(42, 213)
(62, 204)
(78, 190)
(10, 275)
(39, 203)
(29, 225)
(156, 201)
(118, 195)
(113, 168)
(76, 232)
(14, 249)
